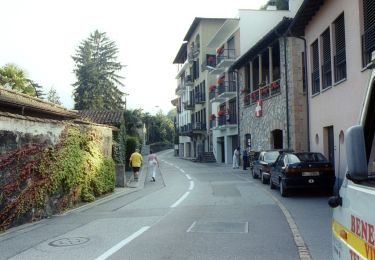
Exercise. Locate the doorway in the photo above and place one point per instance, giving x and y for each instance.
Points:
(220, 141)
(330, 144)
(277, 139)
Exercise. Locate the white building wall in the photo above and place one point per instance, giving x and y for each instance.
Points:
(340, 105)
(250, 20)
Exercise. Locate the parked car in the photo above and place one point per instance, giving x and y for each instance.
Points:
(302, 170)
(253, 156)
(262, 167)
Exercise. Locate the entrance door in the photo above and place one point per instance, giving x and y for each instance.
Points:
(277, 136)
(331, 145)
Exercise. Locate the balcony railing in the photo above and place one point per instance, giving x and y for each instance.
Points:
(227, 120)
(198, 126)
(224, 91)
(186, 129)
(188, 105)
(264, 92)
(225, 57)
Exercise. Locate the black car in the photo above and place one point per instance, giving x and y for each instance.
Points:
(302, 170)
(262, 167)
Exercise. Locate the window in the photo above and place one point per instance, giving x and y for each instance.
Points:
(340, 55)
(368, 38)
(231, 48)
(326, 59)
(315, 77)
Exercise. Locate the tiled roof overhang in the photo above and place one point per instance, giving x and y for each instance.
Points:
(106, 117)
(181, 55)
(305, 13)
(10, 99)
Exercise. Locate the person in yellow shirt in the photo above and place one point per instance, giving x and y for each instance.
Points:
(135, 162)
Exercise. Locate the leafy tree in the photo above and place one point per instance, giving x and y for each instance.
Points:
(280, 4)
(13, 77)
(96, 69)
(53, 97)
(37, 88)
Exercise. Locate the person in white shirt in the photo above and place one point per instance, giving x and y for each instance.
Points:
(236, 157)
(152, 162)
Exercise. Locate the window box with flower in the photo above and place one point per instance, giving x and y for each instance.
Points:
(275, 87)
(221, 113)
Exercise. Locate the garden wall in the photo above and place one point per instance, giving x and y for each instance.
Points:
(47, 166)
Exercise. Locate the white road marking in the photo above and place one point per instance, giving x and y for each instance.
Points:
(117, 247)
(182, 170)
(191, 227)
(191, 185)
(180, 199)
(188, 176)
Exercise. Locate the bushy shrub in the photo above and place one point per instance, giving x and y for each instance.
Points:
(132, 143)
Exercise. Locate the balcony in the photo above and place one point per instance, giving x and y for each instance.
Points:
(199, 98)
(209, 63)
(188, 105)
(225, 58)
(188, 81)
(179, 90)
(185, 130)
(227, 121)
(224, 92)
(199, 127)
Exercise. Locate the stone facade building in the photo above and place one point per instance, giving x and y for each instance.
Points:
(273, 112)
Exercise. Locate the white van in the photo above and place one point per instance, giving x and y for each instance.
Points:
(353, 223)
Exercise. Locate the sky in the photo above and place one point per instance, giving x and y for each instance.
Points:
(41, 36)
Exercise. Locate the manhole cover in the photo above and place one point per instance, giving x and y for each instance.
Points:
(69, 241)
(219, 227)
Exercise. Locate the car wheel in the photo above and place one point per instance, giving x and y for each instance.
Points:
(272, 186)
(262, 178)
(283, 189)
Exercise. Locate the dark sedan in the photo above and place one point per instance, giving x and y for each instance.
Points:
(302, 170)
(262, 167)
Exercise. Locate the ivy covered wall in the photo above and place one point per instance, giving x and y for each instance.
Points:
(44, 172)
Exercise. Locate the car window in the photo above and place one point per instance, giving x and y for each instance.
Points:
(271, 157)
(311, 157)
(292, 158)
(280, 161)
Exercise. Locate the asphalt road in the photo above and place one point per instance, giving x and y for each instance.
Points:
(192, 211)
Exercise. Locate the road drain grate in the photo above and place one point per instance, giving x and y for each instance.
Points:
(69, 241)
(219, 227)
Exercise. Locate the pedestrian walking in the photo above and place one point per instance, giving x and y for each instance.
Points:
(152, 162)
(236, 158)
(245, 159)
(135, 162)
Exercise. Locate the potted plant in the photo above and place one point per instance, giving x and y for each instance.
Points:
(212, 88)
(221, 113)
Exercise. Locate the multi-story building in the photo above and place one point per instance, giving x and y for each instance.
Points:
(234, 39)
(223, 93)
(193, 81)
(340, 39)
(272, 94)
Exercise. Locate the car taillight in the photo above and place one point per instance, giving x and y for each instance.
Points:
(292, 170)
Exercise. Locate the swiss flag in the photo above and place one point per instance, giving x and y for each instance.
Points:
(258, 108)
